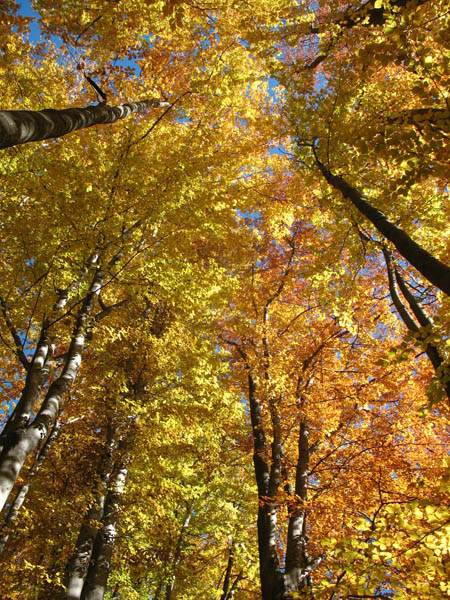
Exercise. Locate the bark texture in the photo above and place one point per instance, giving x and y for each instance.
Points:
(36, 376)
(431, 268)
(21, 495)
(278, 581)
(22, 126)
(100, 564)
(396, 281)
(296, 556)
(97, 577)
(78, 566)
(27, 438)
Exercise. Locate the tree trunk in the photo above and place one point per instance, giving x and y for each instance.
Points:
(228, 587)
(178, 550)
(16, 505)
(34, 381)
(269, 567)
(97, 577)
(26, 439)
(395, 278)
(21, 126)
(78, 566)
(295, 576)
(431, 268)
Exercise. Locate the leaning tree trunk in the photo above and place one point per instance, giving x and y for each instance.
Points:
(25, 440)
(19, 499)
(36, 374)
(38, 369)
(21, 126)
(431, 268)
(394, 279)
(229, 588)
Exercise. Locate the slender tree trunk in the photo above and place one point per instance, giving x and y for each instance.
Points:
(36, 375)
(78, 566)
(18, 501)
(39, 368)
(229, 588)
(395, 278)
(178, 550)
(21, 126)
(431, 268)
(393, 290)
(270, 573)
(97, 577)
(26, 439)
(227, 579)
(295, 577)
(234, 585)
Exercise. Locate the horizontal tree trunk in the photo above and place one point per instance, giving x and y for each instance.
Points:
(22, 126)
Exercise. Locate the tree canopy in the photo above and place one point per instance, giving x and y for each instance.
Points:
(224, 302)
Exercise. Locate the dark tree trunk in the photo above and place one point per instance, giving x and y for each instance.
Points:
(227, 579)
(431, 268)
(395, 278)
(269, 566)
(21, 126)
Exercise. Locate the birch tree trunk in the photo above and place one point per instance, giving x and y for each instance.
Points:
(39, 368)
(36, 375)
(25, 440)
(97, 577)
(22, 126)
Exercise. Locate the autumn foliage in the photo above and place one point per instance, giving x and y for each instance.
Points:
(224, 300)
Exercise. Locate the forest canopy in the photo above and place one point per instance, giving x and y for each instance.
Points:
(224, 299)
